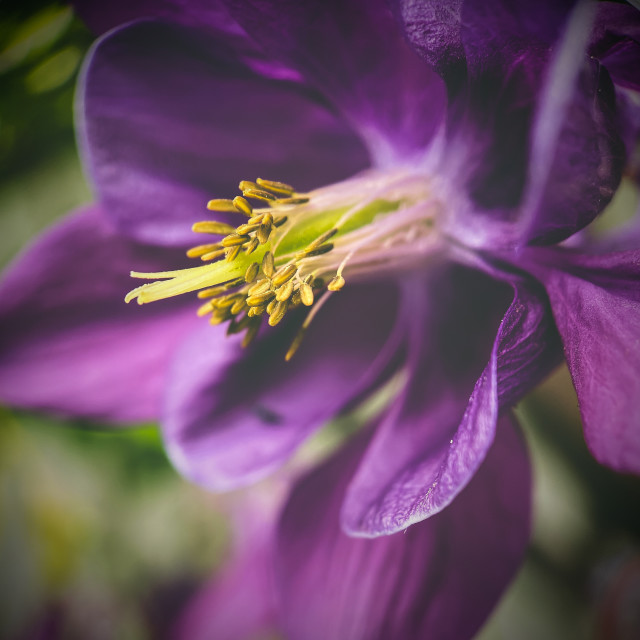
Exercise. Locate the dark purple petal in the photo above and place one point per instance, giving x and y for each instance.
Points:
(535, 137)
(528, 346)
(496, 34)
(208, 14)
(439, 429)
(354, 53)
(577, 155)
(170, 118)
(239, 602)
(596, 304)
(233, 415)
(70, 344)
(615, 41)
(439, 579)
(433, 28)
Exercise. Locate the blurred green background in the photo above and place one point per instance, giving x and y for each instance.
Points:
(100, 538)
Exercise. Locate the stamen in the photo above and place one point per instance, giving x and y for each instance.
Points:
(286, 253)
(268, 266)
(276, 187)
(211, 226)
(242, 205)
(337, 282)
(306, 294)
(221, 205)
(202, 249)
(286, 273)
(258, 194)
(252, 272)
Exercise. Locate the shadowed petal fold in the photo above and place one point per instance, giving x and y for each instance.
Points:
(171, 118)
(69, 343)
(438, 430)
(353, 52)
(596, 305)
(439, 579)
(234, 415)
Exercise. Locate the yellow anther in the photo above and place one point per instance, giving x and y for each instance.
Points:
(234, 239)
(294, 200)
(212, 226)
(244, 229)
(321, 239)
(257, 310)
(247, 184)
(271, 306)
(286, 273)
(260, 298)
(325, 248)
(285, 291)
(306, 294)
(252, 245)
(202, 249)
(252, 272)
(262, 286)
(238, 306)
(278, 312)
(205, 308)
(258, 194)
(232, 253)
(268, 265)
(263, 233)
(211, 292)
(279, 221)
(212, 255)
(242, 205)
(221, 205)
(337, 282)
(276, 187)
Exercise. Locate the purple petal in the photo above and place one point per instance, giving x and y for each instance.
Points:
(596, 304)
(234, 415)
(615, 41)
(433, 28)
(171, 118)
(70, 344)
(240, 601)
(441, 426)
(528, 344)
(354, 53)
(440, 579)
(104, 16)
(535, 137)
(577, 156)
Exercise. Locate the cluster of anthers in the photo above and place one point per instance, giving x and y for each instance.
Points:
(269, 286)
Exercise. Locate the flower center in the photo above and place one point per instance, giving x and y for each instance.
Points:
(295, 249)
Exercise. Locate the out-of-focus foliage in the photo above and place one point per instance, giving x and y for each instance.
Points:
(41, 48)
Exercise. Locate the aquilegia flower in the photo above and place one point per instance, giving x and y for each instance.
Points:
(444, 158)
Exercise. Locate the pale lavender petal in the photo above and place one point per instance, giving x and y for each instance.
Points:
(70, 345)
(439, 579)
(233, 416)
(354, 53)
(171, 118)
(596, 304)
(439, 429)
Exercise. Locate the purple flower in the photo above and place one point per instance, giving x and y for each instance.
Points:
(446, 155)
